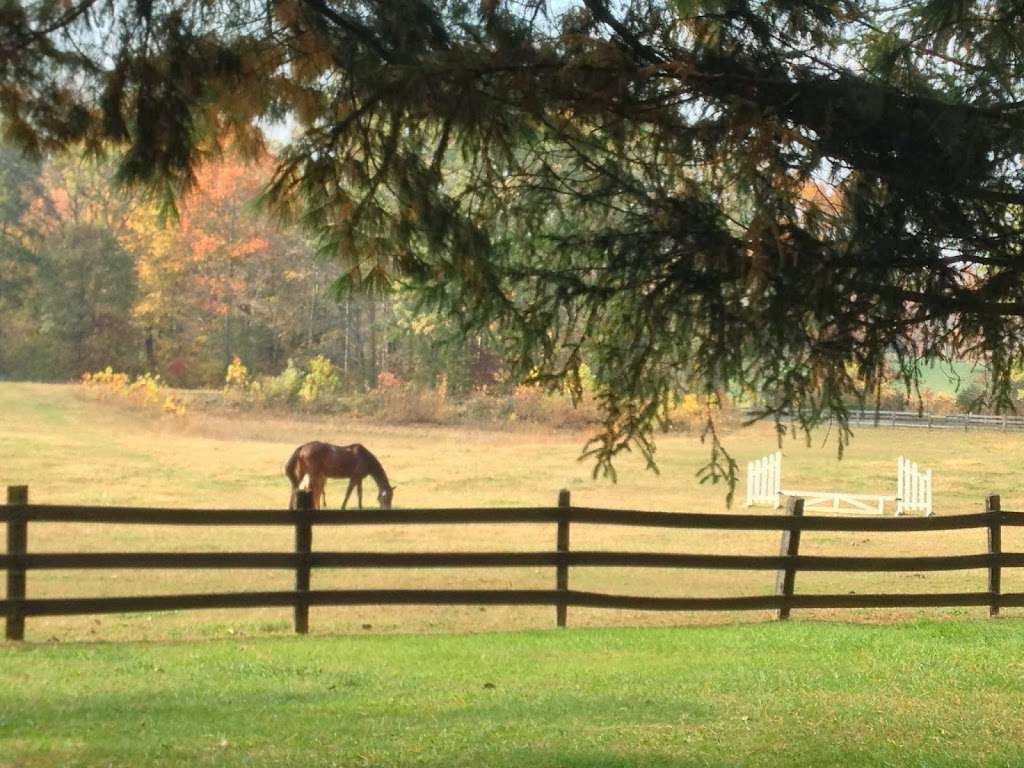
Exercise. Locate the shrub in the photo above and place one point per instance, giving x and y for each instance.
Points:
(322, 382)
(481, 407)
(146, 391)
(399, 402)
(688, 413)
(534, 404)
(528, 403)
(388, 380)
(282, 389)
(971, 398)
(237, 378)
(692, 412)
(105, 383)
(939, 403)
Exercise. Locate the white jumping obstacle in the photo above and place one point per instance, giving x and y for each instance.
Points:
(764, 480)
(913, 490)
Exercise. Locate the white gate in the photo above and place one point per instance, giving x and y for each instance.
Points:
(913, 488)
(764, 480)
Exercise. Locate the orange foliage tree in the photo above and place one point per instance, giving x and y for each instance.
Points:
(224, 281)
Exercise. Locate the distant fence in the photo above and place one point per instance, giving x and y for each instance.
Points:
(18, 514)
(963, 422)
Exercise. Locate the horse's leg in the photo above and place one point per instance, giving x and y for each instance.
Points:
(359, 489)
(351, 485)
(316, 489)
(293, 500)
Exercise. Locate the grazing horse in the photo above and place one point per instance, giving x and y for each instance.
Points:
(320, 461)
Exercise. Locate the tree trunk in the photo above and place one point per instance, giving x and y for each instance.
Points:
(150, 344)
(227, 335)
(371, 374)
(358, 356)
(312, 312)
(348, 334)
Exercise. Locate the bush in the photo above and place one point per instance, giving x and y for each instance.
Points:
(105, 383)
(237, 377)
(282, 389)
(534, 404)
(320, 389)
(146, 391)
(482, 407)
(938, 403)
(321, 384)
(398, 402)
(971, 398)
(688, 413)
(528, 403)
(893, 398)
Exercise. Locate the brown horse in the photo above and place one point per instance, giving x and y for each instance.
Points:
(320, 461)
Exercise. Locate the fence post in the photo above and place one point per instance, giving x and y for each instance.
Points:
(786, 577)
(17, 544)
(995, 551)
(303, 546)
(562, 545)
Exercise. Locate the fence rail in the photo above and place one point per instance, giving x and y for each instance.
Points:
(18, 561)
(913, 420)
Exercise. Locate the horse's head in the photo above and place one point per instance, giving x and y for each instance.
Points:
(385, 496)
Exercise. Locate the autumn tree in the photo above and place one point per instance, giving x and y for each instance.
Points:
(72, 307)
(224, 280)
(617, 181)
(93, 275)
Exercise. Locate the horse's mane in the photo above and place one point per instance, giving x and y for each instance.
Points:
(375, 468)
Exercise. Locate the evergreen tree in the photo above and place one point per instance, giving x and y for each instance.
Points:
(624, 181)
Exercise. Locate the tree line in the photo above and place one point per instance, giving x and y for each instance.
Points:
(92, 276)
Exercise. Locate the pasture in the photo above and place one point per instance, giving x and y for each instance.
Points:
(75, 450)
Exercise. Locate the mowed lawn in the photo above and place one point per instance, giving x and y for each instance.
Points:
(70, 448)
(944, 694)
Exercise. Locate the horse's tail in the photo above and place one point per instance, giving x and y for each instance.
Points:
(291, 468)
(291, 471)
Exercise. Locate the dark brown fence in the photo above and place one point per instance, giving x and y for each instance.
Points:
(18, 514)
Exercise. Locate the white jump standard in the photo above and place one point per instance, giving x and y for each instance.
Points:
(913, 490)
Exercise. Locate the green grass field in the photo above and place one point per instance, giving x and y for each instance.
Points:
(950, 378)
(453, 686)
(932, 694)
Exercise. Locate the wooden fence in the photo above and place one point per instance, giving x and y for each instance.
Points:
(963, 422)
(18, 514)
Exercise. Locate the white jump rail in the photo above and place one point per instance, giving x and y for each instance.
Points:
(913, 490)
(836, 501)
